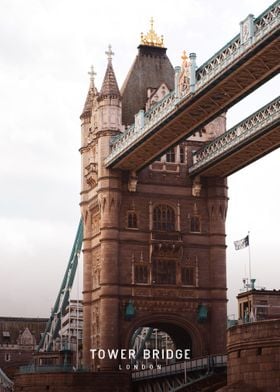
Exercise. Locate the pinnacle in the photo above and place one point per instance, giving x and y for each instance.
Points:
(110, 86)
(88, 103)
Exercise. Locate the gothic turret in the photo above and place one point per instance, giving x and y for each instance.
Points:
(110, 98)
(92, 92)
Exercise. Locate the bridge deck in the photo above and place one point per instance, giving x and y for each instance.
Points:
(252, 138)
(234, 72)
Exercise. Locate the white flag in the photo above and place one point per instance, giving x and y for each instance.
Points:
(241, 243)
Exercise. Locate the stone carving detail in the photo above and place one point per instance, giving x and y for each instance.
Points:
(91, 174)
(132, 182)
(142, 292)
(196, 188)
(186, 294)
(184, 78)
(217, 210)
(101, 202)
(164, 293)
(26, 338)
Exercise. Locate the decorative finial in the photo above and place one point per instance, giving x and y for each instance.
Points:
(151, 38)
(110, 53)
(184, 56)
(152, 24)
(92, 74)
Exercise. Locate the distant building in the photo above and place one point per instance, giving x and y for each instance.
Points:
(256, 305)
(72, 328)
(66, 344)
(253, 343)
(19, 337)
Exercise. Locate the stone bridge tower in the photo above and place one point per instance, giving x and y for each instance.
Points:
(154, 241)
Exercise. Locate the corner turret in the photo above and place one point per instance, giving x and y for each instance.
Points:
(109, 99)
(92, 92)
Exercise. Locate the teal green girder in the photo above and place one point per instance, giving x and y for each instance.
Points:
(54, 322)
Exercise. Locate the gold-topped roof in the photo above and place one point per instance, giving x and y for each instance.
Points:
(184, 56)
(151, 38)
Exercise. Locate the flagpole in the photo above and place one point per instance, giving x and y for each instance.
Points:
(249, 251)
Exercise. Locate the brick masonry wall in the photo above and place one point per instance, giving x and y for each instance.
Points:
(254, 355)
(74, 382)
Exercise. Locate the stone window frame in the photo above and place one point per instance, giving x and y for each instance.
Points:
(142, 265)
(135, 218)
(182, 152)
(171, 275)
(174, 224)
(190, 268)
(195, 224)
(171, 155)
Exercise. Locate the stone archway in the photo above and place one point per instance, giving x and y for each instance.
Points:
(183, 333)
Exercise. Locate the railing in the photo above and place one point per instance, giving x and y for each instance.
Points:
(151, 118)
(235, 48)
(166, 236)
(214, 67)
(50, 369)
(267, 17)
(209, 362)
(236, 135)
(209, 68)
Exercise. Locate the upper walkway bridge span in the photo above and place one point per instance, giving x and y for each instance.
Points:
(250, 59)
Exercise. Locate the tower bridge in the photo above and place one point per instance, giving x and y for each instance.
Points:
(154, 201)
(154, 223)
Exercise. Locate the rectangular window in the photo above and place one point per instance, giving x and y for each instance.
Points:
(182, 154)
(164, 271)
(131, 220)
(170, 155)
(195, 224)
(141, 274)
(188, 276)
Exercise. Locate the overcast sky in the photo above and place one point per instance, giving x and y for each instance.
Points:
(46, 49)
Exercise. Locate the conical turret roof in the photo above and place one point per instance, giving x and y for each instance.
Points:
(110, 86)
(92, 92)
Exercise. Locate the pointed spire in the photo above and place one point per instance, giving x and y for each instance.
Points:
(92, 75)
(110, 53)
(92, 91)
(109, 86)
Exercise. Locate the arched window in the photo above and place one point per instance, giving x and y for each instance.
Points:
(131, 220)
(164, 218)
